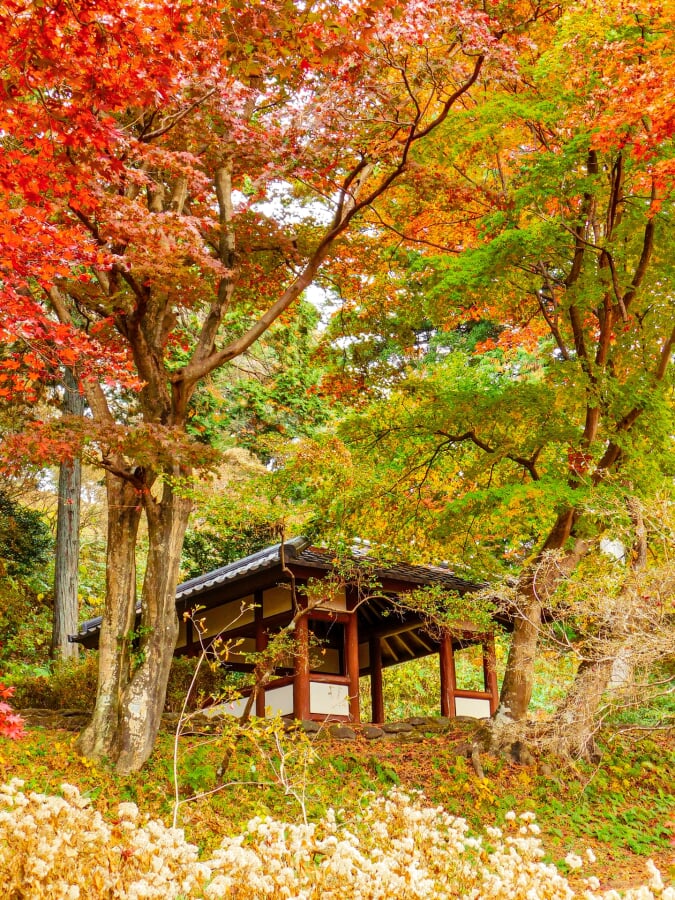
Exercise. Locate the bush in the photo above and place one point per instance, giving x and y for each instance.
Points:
(25, 624)
(11, 725)
(210, 686)
(72, 685)
(25, 539)
(54, 848)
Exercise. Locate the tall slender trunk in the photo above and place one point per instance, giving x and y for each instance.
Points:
(99, 738)
(135, 661)
(144, 695)
(67, 536)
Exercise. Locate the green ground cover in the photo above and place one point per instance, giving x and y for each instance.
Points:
(623, 809)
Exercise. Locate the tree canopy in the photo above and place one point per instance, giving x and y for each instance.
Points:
(175, 177)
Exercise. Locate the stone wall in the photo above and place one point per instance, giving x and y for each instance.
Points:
(411, 730)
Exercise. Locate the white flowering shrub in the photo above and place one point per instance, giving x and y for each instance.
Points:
(59, 848)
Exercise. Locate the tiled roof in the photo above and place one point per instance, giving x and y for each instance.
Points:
(296, 550)
(256, 562)
(323, 559)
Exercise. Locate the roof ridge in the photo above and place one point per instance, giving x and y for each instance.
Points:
(383, 567)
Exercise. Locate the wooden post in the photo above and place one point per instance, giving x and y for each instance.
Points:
(352, 661)
(301, 680)
(376, 690)
(490, 672)
(448, 680)
(261, 638)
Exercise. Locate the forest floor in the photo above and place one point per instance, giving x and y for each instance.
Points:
(622, 809)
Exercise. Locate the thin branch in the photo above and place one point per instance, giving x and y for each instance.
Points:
(96, 399)
(174, 119)
(645, 255)
(196, 369)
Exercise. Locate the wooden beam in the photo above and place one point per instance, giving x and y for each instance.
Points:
(376, 687)
(421, 641)
(386, 643)
(476, 695)
(326, 615)
(462, 631)
(407, 651)
(399, 627)
(448, 678)
(324, 678)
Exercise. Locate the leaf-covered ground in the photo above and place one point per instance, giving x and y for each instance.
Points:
(623, 809)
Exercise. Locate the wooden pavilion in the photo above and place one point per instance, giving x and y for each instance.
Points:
(357, 631)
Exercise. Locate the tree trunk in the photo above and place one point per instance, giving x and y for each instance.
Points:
(143, 698)
(573, 728)
(575, 723)
(135, 662)
(535, 587)
(518, 681)
(99, 738)
(67, 537)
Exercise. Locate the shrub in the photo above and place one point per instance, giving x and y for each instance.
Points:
(71, 685)
(25, 624)
(59, 848)
(211, 684)
(11, 725)
(25, 539)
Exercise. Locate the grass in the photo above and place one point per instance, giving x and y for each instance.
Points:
(624, 809)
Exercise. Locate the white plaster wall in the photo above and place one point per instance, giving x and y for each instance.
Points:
(279, 701)
(328, 699)
(233, 708)
(472, 706)
(335, 600)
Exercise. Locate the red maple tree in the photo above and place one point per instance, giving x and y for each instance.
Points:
(174, 177)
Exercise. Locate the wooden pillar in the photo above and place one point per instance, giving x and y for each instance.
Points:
(352, 661)
(301, 680)
(376, 690)
(261, 638)
(490, 672)
(448, 679)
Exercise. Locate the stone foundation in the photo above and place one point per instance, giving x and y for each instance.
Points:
(411, 730)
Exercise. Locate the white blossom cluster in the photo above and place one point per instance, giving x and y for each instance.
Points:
(60, 848)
